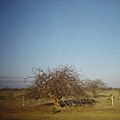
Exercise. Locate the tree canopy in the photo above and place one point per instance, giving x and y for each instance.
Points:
(58, 82)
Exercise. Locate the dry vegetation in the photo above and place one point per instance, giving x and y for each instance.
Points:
(11, 108)
(60, 94)
(63, 86)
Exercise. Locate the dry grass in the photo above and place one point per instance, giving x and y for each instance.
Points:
(11, 108)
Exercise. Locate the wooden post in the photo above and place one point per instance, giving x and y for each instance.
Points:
(112, 100)
(23, 101)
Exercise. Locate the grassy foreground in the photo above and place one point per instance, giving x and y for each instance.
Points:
(76, 115)
(11, 109)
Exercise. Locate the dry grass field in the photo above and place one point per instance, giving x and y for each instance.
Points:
(11, 108)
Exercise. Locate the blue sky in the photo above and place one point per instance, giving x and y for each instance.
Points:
(49, 33)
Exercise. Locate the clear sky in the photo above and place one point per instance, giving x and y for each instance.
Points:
(49, 33)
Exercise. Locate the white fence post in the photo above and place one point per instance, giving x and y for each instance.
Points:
(112, 100)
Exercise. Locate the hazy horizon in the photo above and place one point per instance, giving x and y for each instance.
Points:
(49, 33)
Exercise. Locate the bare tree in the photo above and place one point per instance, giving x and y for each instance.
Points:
(94, 85)
(56, 84)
